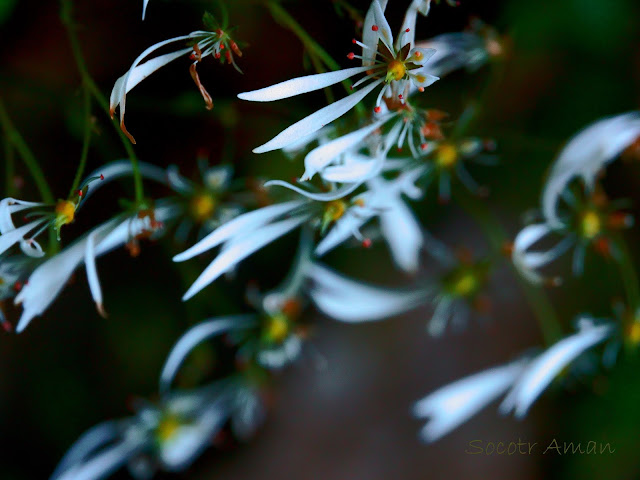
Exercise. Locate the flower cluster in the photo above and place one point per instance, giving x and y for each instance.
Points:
(361, 175)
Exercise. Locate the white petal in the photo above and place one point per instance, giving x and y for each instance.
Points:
(9, 206)
(144, 8)
(192, 338)
(92, 273)
(347, 300)
(425, 55)
(383, 26)
(343, 229)
(230, 256)
(403, 233)
(298, 86)
(422, 79)
(544, 368)
(584, 156)
(243, 223)
(11, 237)
(121, 168)
(454, 404)
(316, 121)
(320, 157)
(103, 464)
(93, 439)
(320, 197)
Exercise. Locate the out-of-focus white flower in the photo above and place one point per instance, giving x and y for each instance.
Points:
(169, 437)
(527, 262)
(392, 65)
(541, 371)
(351, 301)
(48, 279)
(201, 44)
(452, 405)
(585, 155)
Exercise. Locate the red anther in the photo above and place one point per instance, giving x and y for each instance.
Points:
(101, 177)
(79, 193)
(7, 327)
(354, 41)
(351, 87)
(400, 97)
(421, 89)
(424, 146)
(351, 55)
(227, 55)
(294, 179)
(366, 243)
(408, 30)
(374, 28)
(222, 46)
(377, 109)
(217, 54)
(18, 286)
(192, 56)
(399, 149)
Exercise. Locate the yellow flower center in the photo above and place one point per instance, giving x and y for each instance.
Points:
(465, 285)
(277, 329)
(65, 212)
(446, 155)
(395, 70)
(591, 224)
(202, 207)
(167, 428)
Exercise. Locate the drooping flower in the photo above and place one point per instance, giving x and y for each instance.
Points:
(202, 43)
(585, 155)
(168, 436)
(392, 65)
(50, 277)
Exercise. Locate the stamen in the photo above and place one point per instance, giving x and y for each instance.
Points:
(351, 55)
(205, 95)
(377, 109)
(366, 243)
(374, 28)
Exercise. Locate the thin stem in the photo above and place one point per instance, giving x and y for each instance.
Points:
(497, 237)
(90, 85)
(281, 16)
(86, 97)
(14, 137)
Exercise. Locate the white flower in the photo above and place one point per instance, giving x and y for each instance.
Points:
(202, 43)
(169, 436)
(541, 371)
(48, 279)
(451, 405)
(527, 262)
(585, 155)
(351, 301)
(391, 65)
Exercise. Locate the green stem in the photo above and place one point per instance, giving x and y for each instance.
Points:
(497, 237)
(14, 137)
(628, 275)
(90, 85)
(281, 16)
(85, 142)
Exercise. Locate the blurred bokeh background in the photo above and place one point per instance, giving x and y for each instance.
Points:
(569, 63)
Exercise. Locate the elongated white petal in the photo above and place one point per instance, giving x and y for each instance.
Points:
(585, 155)
(103, 464)
(544, 368)
(243, 223)
(139, 73)
(422, 79)
(317, 120)
(351, 301)
(144, 7)
(454, 51)
(9, 206)
(122, 168)
(11, 237)
(192, 338)
(90, 441)
(525, 261)
(403, 234)
(298, 86)
(370, 36)
(384, 30)
(239, 250)
(320, 157)
(92, 273)
(320, 197)
(357, 169)
(454, 404)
